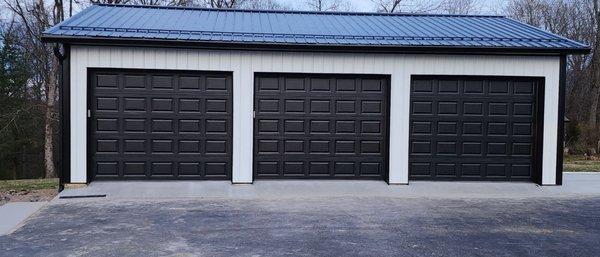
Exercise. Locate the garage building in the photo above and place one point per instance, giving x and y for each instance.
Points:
(188, 93)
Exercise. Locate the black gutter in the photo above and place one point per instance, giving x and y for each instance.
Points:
(560, 144)
(252, 46)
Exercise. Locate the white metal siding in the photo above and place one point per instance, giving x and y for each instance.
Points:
(244, 64)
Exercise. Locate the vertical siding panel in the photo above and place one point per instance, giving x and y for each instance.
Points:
(181, 60)
(127, 56)
(203, 59)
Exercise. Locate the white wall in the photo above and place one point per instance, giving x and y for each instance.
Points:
(244, 64)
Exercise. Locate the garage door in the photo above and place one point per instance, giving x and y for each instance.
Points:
(160, 125)
(320, 126)
(473, 128)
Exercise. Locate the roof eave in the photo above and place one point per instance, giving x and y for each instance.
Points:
(49, 38)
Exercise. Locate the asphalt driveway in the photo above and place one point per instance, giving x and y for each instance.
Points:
(337, 226)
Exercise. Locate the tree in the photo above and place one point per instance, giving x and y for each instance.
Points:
(265, 5)
(20, 117)
(328, 5)
(577, 20)
(417, 6)
(459, 6)
(593, 120)
(36, 18)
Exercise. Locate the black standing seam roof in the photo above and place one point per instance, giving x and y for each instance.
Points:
(333, 30)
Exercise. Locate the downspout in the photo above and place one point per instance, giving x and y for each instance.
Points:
(63, 94)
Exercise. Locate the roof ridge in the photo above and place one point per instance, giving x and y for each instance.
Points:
(300, 12)
(399, 37)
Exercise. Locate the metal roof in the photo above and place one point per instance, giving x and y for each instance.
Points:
(298, 28)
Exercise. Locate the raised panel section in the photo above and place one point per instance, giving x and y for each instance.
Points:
(134, 82)
(107, 104)
(107, 81)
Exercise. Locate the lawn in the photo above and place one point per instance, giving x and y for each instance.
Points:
(28, 184)
(581, 163)
(27, 190)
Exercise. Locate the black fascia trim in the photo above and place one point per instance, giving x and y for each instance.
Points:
(561, 119)
(107, 41)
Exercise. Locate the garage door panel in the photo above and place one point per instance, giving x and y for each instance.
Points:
(472, 128)
(165, 125)
(320, 126)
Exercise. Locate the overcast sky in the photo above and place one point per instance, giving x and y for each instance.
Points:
(487, 6)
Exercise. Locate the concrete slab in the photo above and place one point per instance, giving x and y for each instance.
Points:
(575, 185)
(14, 214)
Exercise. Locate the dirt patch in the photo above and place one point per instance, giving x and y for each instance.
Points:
(38, 195)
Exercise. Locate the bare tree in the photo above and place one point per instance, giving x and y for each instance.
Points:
(578, 20)
(459, 6)
(109, 1)
(328, 5)
(593, 120)
(265, 5)
(413, 6)
(35, 18)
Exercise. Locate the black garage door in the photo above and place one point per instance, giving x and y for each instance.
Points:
(160, 124)
(473, 128)
(320, 126)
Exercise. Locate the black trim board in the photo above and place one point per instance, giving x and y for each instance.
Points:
(561, 120)
(222, 45)
(65, 116)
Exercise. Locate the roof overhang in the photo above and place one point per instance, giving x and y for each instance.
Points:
(218, 45)
(222, 45)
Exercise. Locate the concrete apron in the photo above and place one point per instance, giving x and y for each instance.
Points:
(14, 215)
(575, 184)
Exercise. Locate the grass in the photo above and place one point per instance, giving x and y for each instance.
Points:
(28, 184)
(580, 163)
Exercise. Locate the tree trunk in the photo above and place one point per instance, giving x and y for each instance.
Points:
(595, 73)
(593, 120)
(49, 121)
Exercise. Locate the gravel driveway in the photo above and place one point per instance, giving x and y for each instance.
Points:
(350, 226)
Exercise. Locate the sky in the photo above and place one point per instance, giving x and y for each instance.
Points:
(487, 6)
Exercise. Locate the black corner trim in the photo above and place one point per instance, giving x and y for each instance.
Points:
(561, 120)
(65, 118)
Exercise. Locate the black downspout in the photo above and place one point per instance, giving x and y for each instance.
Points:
(64, 114)
(561, 119)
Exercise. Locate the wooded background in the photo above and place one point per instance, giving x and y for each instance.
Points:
(29, 69)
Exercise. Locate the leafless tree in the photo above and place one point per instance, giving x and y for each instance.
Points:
(328, 5)
(36, 18)
(389, 6)
(577, 20)
(459, 6)
(593, 120)
(265, 5)
(431, 6)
